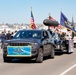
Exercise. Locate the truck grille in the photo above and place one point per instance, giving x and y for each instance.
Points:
(19, 44)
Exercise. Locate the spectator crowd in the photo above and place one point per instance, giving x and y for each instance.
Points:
(6, 35)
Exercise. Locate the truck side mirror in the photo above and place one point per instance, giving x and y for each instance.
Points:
(42, 38)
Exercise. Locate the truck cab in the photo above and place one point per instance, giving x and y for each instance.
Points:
(28, 44)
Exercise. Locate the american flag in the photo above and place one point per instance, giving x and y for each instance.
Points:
(51, 18)
(32, 24)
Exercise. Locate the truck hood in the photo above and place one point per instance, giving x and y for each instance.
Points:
(23, 41)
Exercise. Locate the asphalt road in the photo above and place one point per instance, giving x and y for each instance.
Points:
(64, 64)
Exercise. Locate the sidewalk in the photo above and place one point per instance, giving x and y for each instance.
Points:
(0, 51)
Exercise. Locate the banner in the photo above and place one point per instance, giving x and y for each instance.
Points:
(19, 51)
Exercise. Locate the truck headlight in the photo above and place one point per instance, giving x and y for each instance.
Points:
(34, 45)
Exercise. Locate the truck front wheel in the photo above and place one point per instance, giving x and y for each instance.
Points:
(6, 59)
(39, 58)
(52, 55)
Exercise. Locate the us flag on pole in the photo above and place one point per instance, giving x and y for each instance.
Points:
(32, 24)
(51, 18)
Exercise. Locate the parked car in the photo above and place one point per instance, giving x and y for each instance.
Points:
(29, 44)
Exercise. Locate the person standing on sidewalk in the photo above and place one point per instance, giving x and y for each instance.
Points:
(8, 35)
(69, 44)
(3, 38)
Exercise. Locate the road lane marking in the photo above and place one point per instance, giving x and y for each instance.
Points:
(68, 69)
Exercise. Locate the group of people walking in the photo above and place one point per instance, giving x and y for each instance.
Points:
(5, 36)
(67, 39)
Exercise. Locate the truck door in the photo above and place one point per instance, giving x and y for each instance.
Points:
(46, 43)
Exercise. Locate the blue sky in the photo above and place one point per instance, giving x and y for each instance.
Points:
(18, 11)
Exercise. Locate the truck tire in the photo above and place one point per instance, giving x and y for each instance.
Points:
(61, 49)
(6, 59)
(52, 55)
(74, 45)
(39, 58)
(48, 22)
(68, 52)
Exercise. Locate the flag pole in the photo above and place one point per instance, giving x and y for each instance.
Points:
(31, 8)
(49, 19)
(32, 24)
(30, 20)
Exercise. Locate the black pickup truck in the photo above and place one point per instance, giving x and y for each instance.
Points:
(29, 44)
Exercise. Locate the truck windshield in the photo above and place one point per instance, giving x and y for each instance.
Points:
(27, 34)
